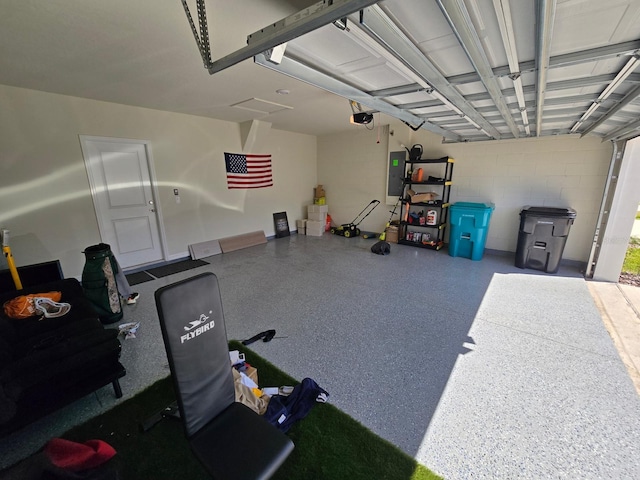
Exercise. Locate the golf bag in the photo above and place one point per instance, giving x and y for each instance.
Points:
(99, 282)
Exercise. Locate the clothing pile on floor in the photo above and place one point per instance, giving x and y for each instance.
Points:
(281, 406)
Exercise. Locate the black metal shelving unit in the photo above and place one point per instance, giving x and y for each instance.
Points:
(414, 230)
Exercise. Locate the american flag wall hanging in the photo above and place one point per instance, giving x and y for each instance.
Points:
(248, 171)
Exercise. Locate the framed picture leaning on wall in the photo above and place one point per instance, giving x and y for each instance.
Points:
(281, 224)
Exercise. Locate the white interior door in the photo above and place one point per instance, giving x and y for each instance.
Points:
(119, 174)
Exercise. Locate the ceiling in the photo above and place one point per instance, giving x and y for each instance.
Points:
(467, 70)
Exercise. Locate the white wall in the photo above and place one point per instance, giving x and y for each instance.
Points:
(44, 193)
(352, 166)
(550, 171)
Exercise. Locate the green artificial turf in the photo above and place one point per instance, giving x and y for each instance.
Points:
(328, 443)
(632, 257)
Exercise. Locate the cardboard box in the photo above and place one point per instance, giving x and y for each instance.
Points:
(422, 196)
(319, 191)
(318, 208)
(252, 373)
(392, 234)
(317, 216)
(301, 225)
(315, 229)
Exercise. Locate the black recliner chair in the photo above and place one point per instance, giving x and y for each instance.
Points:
(229, 439)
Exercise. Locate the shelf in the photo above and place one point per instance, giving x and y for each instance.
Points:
(433, 160)
(436, 246)
(432, 203)
(441, 176)
(438, 226)
(408, 181)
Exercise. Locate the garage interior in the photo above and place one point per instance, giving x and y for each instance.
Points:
(537, 102)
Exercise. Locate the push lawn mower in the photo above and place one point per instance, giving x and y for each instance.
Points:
(349, 230)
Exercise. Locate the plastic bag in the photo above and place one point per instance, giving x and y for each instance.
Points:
(24, 306)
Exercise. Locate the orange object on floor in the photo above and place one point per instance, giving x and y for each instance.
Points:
(23, 306)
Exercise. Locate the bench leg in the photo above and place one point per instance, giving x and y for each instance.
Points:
(116, 388)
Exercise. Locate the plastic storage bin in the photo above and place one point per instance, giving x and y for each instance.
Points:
(469, 228)
(542, 237)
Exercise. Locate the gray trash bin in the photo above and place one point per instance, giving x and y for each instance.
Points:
(542, 237)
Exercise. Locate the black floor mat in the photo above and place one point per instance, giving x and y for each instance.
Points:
(176, 267)
(138, 277)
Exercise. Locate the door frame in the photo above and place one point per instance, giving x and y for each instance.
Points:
(618, 210)
(152, 176)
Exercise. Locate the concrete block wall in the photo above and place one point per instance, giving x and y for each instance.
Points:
(551, 171)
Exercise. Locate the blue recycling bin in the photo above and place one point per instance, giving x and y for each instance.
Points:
(469, 227)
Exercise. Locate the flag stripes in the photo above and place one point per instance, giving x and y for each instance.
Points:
(248, 171)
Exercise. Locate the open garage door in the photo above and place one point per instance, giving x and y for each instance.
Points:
(617, 214)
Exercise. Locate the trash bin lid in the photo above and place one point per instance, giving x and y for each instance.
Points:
(472, 205)
(548, 212)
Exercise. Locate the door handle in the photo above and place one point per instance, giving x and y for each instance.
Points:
(152, 209)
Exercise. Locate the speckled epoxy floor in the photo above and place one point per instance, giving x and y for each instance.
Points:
(478, 369)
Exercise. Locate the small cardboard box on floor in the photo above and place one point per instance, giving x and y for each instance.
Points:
(392, 234)
(301, 225)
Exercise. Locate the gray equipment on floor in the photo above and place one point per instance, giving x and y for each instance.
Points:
(227, 437)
